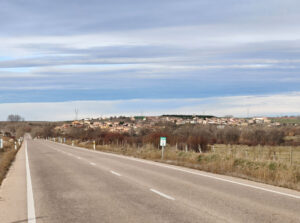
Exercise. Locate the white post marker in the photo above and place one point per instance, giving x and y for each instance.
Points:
(15, 145)
(94, 145)
(163, 143)
(1, 143)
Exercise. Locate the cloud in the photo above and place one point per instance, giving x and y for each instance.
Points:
(58, 51)
(72, 17)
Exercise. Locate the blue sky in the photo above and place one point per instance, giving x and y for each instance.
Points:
(152, 57)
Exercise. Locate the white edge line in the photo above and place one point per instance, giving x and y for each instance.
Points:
(113, 172)
(187, 171)
(162, 194)
(30, 200)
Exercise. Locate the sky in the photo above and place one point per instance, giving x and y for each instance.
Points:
(132, 57)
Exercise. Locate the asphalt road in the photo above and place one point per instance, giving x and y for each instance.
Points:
(78, 185)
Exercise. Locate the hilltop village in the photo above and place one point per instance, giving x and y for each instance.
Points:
(126, 124)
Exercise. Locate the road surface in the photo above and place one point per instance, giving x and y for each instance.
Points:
(68, 184)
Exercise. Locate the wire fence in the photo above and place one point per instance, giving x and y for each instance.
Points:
(287, 155)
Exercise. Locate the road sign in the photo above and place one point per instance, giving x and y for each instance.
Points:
(163, 141)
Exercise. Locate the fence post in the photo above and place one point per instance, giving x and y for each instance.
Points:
(199, 148)
(291, 156)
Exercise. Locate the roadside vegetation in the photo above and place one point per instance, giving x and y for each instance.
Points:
(7, 156)
(10, 132)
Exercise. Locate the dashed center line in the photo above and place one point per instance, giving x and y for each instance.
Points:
(162, 194)
(115, 173)
(79, 158)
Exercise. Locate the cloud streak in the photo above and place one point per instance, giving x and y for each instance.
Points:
(60, 51)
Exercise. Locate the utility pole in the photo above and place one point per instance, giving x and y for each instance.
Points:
(248, 112)
(76, 114)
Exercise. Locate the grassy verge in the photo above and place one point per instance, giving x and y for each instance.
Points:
(7, 156)
(239, 161)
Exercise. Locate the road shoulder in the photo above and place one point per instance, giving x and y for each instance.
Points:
(13, 199)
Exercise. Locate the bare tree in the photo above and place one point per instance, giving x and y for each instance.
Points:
(15, 118)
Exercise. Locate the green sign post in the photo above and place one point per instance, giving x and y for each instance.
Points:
(163, 143)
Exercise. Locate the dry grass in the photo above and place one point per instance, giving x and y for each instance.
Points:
(253, 163)
(6, 158)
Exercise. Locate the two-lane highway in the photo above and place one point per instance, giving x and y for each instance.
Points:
(77, 185)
